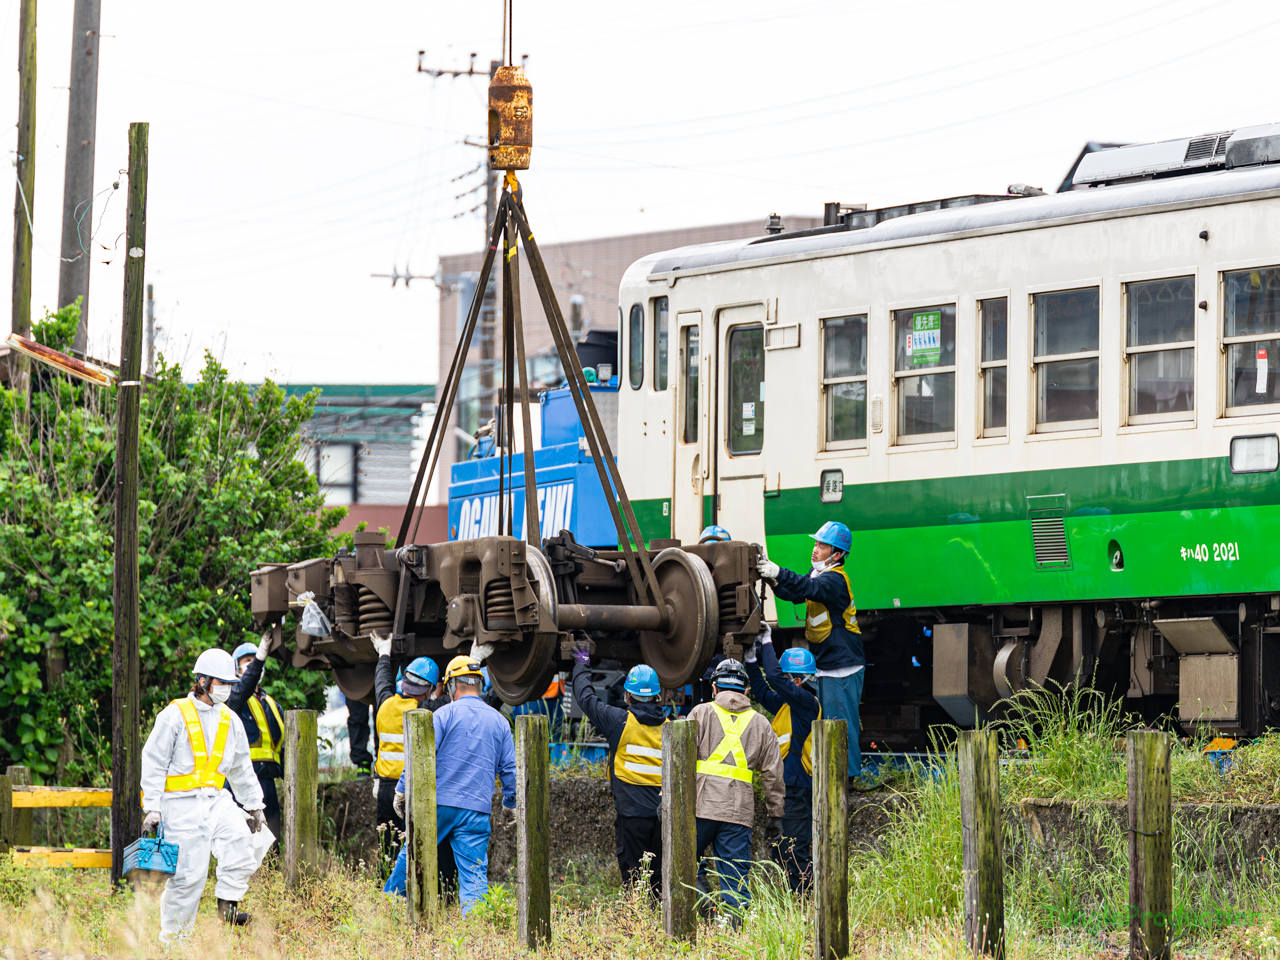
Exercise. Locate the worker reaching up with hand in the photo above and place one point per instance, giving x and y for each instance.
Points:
(196, 745)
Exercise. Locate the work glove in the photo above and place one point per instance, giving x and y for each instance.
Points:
(765, 635)
(375, 780)
(752, 652)
(150, 821)
(509, 816)
(582, 652)
(256, 820)
(768, 569)
(265, 646)
(773, 832)
(398, 804)
(382, 646)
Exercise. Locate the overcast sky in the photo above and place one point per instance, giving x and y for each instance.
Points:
(295, 149)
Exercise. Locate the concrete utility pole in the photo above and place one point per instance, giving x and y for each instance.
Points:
(77, 184)
(126, 740)
(25, 191)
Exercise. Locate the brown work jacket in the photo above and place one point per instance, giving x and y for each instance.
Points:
(726, 799)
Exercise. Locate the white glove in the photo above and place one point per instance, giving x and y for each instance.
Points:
(382, 646)
(150, 821)
(766, 634)
(398, 804)
(374, 784)
(264, 646)
(509, 816)
(256, 820)
(768, 569)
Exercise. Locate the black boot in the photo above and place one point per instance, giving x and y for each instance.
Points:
(228, 910)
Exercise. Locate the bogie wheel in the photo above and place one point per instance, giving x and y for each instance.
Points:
(355, 680)
(683, 650)
(518, 671)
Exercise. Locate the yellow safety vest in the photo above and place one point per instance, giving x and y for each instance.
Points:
(205, 771)
(263, 748)
(782, 727)
(730, 746)
(390, 723)
(817, 623)
(639, 756)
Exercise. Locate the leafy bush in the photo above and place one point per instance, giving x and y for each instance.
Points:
(221, 489)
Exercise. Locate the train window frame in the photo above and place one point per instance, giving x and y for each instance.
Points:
(661, 344)
(730, 399)
(985, 432)
(1226, 342)
(635, 346)
(825, 383)
(1039, 361)
(910, 440)
(1129, 351)
(690, 417)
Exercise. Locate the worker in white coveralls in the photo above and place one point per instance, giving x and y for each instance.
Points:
(196, 746)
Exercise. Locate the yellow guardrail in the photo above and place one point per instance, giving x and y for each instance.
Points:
(15, 797)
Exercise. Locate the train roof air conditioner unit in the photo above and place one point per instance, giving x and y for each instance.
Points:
(1211, 151)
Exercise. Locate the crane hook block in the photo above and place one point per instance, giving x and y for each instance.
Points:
(510, 120)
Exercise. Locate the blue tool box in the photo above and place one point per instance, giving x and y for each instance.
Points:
(151, 854)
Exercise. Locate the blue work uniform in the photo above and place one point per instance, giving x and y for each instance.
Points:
(776, 692)
(831, 628)
(474, 747)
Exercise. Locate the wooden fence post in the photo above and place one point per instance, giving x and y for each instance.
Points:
(420, 815)
(679, 829)
(300, 843)
(830, 839)
(1150, 845)
(23, 821)
(979, 754)
(533, 830)
(6, 815)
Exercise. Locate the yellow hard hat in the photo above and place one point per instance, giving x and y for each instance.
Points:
(462, 666)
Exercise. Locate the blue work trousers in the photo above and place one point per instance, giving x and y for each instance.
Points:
(730, 844)
(468, 834)
(840, 697)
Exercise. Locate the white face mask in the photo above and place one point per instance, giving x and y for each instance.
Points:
(220, 694)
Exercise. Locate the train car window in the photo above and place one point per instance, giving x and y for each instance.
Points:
(1251, 335)
(635, 346)
(746, 390)
(993, 368)
(1160, 313)
(925, 373)
(1066, 359)
(660, 326)
(844, 381)
(690, 350)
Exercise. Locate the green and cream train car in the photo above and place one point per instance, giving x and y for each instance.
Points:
(1050, 422)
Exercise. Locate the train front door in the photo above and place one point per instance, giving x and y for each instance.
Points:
(691, 435)
(738, 415)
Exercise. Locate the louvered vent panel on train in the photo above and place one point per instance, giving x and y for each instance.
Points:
(1201, 148)
(1049, 530)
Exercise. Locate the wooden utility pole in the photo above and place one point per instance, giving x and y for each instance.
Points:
(422, 884)
(300, 845)
(25, 192)
(126, 720)
(77, 189)
(679, 829)
(151, 330)
(1150, 845)
(533, 831)
(980, 829)
(830, 839)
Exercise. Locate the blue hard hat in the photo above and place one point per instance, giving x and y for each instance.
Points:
(797, 660)
(835, 534)
(244, 650)
(420, 676)
(714, 532)
(642, 681)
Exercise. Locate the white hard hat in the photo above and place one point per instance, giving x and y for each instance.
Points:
(217, 664)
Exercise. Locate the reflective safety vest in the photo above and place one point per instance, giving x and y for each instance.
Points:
(817, 621)
(263, 748)
(730, 746)
(639, 756)
(390, 723)
(782, 727)
(205, 771)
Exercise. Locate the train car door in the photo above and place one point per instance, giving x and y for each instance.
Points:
(691, 435)
(738, 470)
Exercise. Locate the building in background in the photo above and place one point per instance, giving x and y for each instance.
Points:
(585, 275)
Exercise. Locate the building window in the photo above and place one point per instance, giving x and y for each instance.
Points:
(1251, 335)
(1161, 381)
(1066, 359)
(635, 346)
(337, 470)
(993, 368)
(746, 390)
(691, 384)
(844, 381)
(925, 373)
(660, 320)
